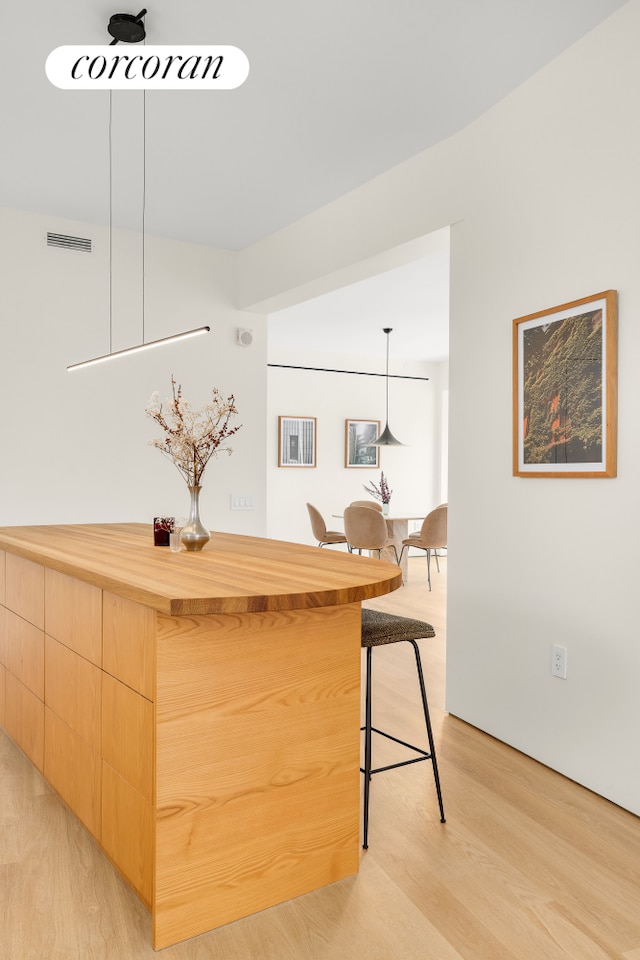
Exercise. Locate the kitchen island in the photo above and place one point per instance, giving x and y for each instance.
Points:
(199, 712)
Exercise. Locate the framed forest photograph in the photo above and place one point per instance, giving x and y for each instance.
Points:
(358, 443)
(565, 385)
(296, 441)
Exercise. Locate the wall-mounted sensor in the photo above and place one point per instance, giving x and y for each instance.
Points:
(244, 337)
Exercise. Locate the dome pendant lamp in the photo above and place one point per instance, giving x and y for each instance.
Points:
(386, 438)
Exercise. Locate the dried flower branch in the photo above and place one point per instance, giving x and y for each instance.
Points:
(192, 437)
(381, 492)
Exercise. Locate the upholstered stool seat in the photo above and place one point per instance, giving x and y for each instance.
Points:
(379, 629)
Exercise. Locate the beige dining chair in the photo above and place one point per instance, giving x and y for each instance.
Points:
(366, 529)
(432, 536)
(372, 504)
(323, 536)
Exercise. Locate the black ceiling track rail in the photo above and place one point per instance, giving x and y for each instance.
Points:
(360, 373)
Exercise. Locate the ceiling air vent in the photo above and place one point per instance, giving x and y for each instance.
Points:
(68, 243)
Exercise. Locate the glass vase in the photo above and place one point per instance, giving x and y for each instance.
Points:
(194, 533)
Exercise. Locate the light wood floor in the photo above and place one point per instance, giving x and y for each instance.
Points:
(529, 866)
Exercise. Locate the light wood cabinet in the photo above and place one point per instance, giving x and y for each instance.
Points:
(2, 576)
(127, 734)
(73, 614)
(3, 636)
(24, 719)
(74, 770)
(24, 652)
(128, 822)
(74, 691)
(24, 589)
(3, 676)
(199, 713)
(258, 757)
(128, 637)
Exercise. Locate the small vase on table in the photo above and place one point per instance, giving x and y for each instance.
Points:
(191, 438)
(194, 533)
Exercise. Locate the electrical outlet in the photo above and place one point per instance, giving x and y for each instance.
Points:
(559, 661)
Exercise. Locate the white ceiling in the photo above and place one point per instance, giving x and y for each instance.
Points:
(411, 299)
(338, 92)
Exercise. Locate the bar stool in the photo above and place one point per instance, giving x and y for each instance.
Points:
(379, 629)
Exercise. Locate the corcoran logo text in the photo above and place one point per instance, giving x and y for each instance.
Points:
(149, 67)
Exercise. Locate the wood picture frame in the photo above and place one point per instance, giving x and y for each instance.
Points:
(297, 441)
(358, 449)
(565, 385)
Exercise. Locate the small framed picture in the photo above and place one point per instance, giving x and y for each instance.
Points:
(359, 450)
(565, 383)
(297, 441)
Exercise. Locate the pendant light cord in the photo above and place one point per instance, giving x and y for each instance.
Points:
(144, 200)
(387, 418)
(110, 224)
(144, 193)
(118, 33)
(144, 210)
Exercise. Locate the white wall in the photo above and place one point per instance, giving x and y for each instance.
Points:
(75, 445)
(543, 193)
(413, 470)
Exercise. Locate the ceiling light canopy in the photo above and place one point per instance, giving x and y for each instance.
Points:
(127, 28)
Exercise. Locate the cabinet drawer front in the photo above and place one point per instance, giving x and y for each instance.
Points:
(24, 719)
(74, 691)
(129, 631)
(127, 832)
(73, 769)
(3, 635)
(74, 614)
(24, 652)
(24, 589)
(3, 674)
(127, 735)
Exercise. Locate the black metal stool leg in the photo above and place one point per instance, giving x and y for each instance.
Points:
(432, 748)
(367, 752)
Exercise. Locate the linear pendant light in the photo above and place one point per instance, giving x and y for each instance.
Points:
(141, 346)
(386, 438)
(131, 29)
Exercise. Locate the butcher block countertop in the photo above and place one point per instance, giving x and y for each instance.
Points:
(233, 574)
